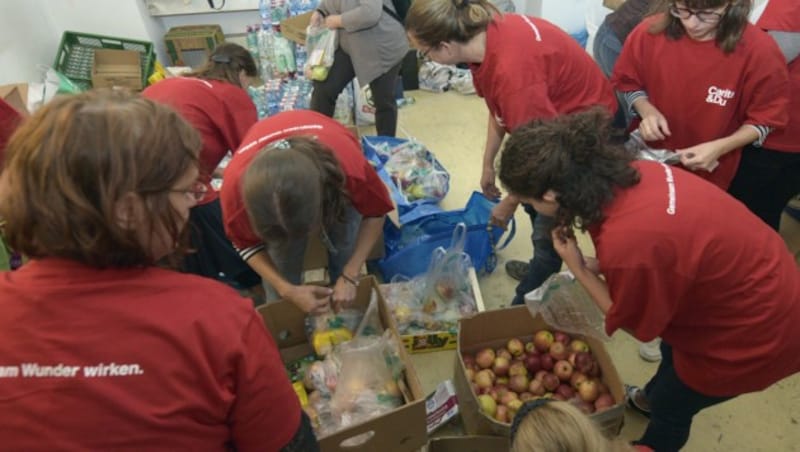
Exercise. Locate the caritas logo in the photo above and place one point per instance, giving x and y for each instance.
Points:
(719, 96)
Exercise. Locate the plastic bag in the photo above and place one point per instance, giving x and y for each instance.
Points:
(371, 322)
(329, 329)
(411, 167)
(565, 305)
(321, 45)
(637, 145)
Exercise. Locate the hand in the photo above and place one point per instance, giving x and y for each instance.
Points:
(316, 19)
(344, 292)
(333, 21)
(567, 247)
(311, 299)
(488, 187)
(704, 156)
(503, 211)
(654, 127)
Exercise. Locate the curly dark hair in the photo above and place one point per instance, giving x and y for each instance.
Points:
(570, 155)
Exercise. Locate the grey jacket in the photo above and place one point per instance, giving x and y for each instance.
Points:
(375, 41)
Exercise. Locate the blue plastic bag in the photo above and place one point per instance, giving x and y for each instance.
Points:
(409, 248)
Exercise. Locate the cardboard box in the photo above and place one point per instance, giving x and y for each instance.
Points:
(493, 329)
(443, 340)
(469, 444)
(192, 37)
(400, 430)
(294, 28)
(613, 4)
(117, 68)
(16, 95)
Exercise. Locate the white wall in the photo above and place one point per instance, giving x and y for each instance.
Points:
(26, 39)
(567, 14)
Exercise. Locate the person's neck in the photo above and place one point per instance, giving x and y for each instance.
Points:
(475, 49)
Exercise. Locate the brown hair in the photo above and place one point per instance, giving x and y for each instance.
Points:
(729, 29)
(432, 22)
(570, 155)
(68, 167)
(292, 186)
(561, 427)
(225, 63)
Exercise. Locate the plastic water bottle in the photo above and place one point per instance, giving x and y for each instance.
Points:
(265, 10)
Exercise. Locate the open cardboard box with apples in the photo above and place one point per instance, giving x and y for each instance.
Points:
(400, 430)
(500, 344)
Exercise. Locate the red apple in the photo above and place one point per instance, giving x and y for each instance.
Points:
(516, 347)
(508, 397)
(585, 407)
(583, 362)
(504, 353)
(550, 382)
(588, 390)
(604, 402)
(578, 345)
(542, 340)
(533, 363)
(565, 391)
(594, 372)
(558, 351)
(519, 383)
(536, 388)
(562, 337)
(469, 361)
(513, 407)
(530, 348)
(547, 361)
(484, 379)
(563, 370)
(602, 388)
(577, 378)
(485, 358)
(501, 381)
(500, 366)
(517, 368)
(540, 374)
(501, 414)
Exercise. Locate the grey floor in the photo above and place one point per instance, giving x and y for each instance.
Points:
(453, 126)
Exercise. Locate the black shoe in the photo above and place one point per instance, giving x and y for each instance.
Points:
(517, 269)
(630, 396)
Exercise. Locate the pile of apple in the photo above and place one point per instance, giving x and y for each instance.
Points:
(553, 365)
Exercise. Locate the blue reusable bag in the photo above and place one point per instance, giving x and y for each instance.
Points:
(409, 248)
(407, 210)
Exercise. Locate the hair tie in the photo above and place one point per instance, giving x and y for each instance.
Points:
(461, 4)
(526, 408)
(280, 145)
(221, 59)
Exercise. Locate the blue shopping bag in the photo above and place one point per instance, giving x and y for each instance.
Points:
(409, 247)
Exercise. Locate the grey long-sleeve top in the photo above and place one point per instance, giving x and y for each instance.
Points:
(375, 41)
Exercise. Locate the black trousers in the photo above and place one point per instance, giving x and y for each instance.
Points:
(323, 99)
(765, 182)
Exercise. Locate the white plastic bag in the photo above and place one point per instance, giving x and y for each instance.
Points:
(321, 45)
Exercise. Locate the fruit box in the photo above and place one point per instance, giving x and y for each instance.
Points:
(441, 340)
(469, 444)
(117, 68)
(493, 329)
(400, 430)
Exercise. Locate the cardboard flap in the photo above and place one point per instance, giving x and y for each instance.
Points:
(16, 95)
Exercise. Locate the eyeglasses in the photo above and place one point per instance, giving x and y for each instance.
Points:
(423, 55)
(197, 191)
(709, 17)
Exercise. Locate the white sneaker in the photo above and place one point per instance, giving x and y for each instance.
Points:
(651, 351)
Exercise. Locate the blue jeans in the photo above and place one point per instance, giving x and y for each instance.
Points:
(545, 261)
(304, 439)
(289, 256)
(672, 406)
(606, 50)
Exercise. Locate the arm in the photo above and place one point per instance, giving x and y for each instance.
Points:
(307, 298)
(368, 233)
(567, 247)
(494, 138)
(653, 125)
(366, 15)
(705, 155)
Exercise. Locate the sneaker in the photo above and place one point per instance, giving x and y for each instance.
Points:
(651, 351)
(517, 269)
(632, 394)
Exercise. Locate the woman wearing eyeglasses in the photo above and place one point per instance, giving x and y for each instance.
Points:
(525, 68)
(703, 82)
(300, 174)
(102, 348)
(215, 102)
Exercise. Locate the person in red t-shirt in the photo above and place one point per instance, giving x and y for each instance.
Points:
(681, 258)
(733, 93)
(768, 177)
(101, 347)
(525, 68)
(214, 101)
(299, 173)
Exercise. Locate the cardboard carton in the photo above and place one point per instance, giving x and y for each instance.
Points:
(469, 444)
(294, 28)
(16, 95)
(203, 38)
(493, 329)
(400, 430)
(117, 68)
(613, 4)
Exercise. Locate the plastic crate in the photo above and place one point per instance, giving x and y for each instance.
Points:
(75, 55)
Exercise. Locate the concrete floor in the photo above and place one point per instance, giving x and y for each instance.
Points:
(454, 128)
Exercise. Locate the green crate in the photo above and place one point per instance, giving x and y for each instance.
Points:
(76, 55)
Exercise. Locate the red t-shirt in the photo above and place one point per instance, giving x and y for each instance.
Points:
(704, 93)
(534, 70)
(9, 120)
(687, 262)
(146, 359)
(220, 111)
(366, 190)
(784, 15)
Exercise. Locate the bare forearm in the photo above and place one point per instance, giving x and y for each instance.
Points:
(595, 287)
(494, 138)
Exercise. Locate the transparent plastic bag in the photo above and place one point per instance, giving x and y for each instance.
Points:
(565, 305)
(321, 45)
(448, 289)
(329, 329)
(412, 169)
(370, 324)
